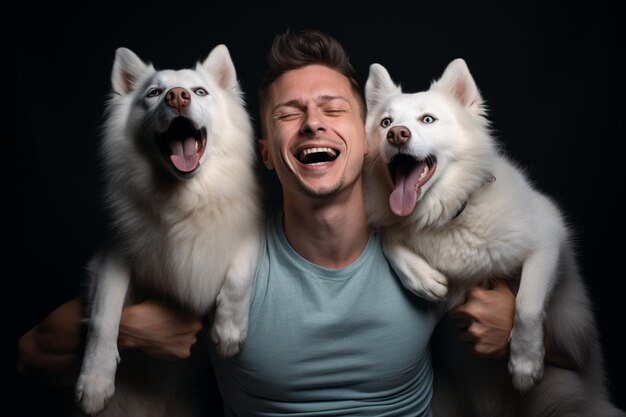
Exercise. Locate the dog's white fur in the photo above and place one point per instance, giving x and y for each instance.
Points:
(190, 235)
(476, 218)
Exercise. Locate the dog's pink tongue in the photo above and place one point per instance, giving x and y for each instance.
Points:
(184, 155)
(404, 195)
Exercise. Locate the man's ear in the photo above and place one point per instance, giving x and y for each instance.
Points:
(265, 154)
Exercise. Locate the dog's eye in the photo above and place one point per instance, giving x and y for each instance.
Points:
(154, 92)
(200, 91)
(386, 122)
(427, 119)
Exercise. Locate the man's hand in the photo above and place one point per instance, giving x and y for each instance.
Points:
(490, 313)
(159, 330)
(52, 351)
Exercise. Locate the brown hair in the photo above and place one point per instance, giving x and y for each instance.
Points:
(293, 50)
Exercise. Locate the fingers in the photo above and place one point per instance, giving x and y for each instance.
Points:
(481, 301)
(473, 306)
(161, 331)
(483, 342)
(485, 319)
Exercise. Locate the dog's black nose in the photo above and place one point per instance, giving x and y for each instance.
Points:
(398, 135)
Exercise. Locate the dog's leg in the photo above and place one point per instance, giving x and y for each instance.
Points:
(415, 273)
(96, 382)
(527, 349)
(230, 325)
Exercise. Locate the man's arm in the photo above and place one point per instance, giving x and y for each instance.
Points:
(52, 351)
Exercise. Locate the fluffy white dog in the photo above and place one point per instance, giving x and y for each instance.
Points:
(178, 155)
(455, 213)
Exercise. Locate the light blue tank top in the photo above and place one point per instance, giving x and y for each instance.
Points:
(330, 342)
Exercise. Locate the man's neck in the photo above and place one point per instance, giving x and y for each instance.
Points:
(331, 234)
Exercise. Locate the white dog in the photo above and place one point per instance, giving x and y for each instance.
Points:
(455, 213)
(178, 155)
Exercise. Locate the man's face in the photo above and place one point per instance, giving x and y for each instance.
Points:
(315, 137)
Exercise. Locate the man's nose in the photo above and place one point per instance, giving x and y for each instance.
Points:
(313, 122)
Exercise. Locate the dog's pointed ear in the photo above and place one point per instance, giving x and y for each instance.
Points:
(459, 83)
(127, 68)
(219, 64)
(379, 85)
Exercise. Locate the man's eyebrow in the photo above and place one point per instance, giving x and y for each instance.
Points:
(297, 102)
(289, 103)
(326, 98)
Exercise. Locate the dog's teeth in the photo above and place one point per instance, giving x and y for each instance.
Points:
(424, 172)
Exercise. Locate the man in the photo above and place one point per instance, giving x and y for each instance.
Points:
(332, 330)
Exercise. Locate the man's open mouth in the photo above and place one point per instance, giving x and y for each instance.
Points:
(408, 175)
(316, 156)
(182, 145)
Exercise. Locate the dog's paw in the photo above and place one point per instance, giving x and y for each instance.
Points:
(525, 375)
(525, 372)
(227, 338)
(93, 392)
(526, 352)
(436, 284)
(432, 286)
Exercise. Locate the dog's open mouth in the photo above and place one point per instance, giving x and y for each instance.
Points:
(182, 145)
(315, 156)
(408, 175)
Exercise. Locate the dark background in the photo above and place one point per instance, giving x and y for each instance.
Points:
(550, 76)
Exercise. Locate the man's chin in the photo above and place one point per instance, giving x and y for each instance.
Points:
(322, 191)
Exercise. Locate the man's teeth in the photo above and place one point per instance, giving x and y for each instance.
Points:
(315, 156)
(309, 151)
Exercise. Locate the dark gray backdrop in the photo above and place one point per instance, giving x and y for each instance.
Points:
(550, 76)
